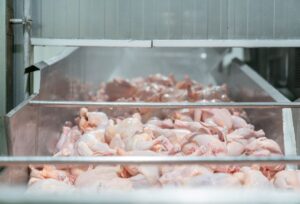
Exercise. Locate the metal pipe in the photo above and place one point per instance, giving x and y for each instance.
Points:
(77, 104)
(145, 160)
(17, 21)
(27, 34)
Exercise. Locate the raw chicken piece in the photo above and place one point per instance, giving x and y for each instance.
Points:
(197, 115)
(91, 120)
(75, 171)
(97, 119)
(65, 145)
(50, 186)
(177, 137)
(252, 178)
(263, 143)
(240, 138)
(197, 92)
(163, 144)
(183, 115)
(110, 131)
(49, 171)
(221, 117)
(167, 123)
(102, 178)
(119, 88)
(265, 147)
(287, 179)
(238, 122)
(145, 141)
(89, 145)
(216, 180)
(186, 83)
(245, 133)
(161, 80)
(181, 174)
(139, 181)
(151, 172)
(192, 126)
(63, 137)
(235, 148)
(91, 176)
(214, 92)
(209, 144)
(141, 141)
(99, 134)
(129, 126)
(216, 130)
(189, 148)
(117, 142)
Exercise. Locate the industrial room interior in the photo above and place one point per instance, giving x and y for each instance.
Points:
(149, 101)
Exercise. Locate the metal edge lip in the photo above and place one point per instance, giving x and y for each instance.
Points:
(227, 43)
(268, 88)
(145, 160)
(166, 105)
(164, 195)
(90, 42)
(20, 106)
(66, 52)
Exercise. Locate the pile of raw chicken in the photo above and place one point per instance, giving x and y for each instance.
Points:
(152, 132)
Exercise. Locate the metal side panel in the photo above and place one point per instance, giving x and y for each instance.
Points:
(72, 75)
(21, 128)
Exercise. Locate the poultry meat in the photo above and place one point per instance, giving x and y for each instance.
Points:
(167, 132)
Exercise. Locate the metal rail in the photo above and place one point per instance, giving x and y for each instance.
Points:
(145, 160)
(77, 104)
(248, 43)
(165, 43)
(90, 42)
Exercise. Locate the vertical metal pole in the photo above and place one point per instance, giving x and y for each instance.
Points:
(2, 57)
(28, 50)
(4, 70)
(27, 33)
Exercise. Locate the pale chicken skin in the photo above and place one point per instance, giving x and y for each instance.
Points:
(162, 132)
(287, 179)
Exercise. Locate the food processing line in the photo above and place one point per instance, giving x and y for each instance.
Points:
(91, 57)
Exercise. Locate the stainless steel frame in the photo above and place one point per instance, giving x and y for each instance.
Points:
(34, 126)
(36, 122)
(56, 101)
